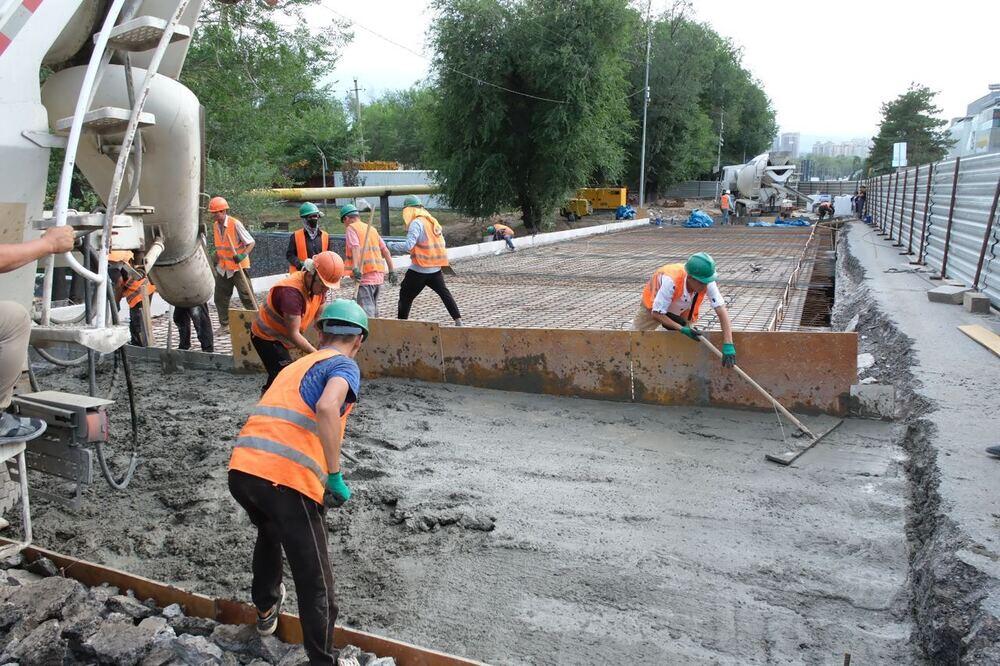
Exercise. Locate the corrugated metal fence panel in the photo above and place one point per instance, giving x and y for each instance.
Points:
(937, 224)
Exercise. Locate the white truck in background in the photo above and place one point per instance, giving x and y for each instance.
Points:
(762, 184)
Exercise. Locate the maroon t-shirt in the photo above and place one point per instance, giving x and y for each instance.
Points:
(289, 302)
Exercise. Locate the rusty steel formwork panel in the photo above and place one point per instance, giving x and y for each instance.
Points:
(806, 372)
(396, 348)
(245, 357)
(585, 364)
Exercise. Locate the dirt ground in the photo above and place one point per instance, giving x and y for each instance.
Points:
(526, 529)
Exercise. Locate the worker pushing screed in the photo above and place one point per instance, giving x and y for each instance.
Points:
(286, 456)
(367, 257)
(428, 253)
(673, 296)
(233, 245)
(291, 307)
(308, 241)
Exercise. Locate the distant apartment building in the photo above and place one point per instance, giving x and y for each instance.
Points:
(978, 131)
(790, 143)
(853, 148)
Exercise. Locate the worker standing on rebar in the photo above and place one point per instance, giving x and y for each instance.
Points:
(290, 308)
(285, 457)
(233, 245)
(502, 232)
(367, 257)
(308, 241)
(428, 254)
(15, 330)
(673, 297)
(725, 205)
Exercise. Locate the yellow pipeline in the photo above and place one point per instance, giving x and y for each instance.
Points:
(314, 193)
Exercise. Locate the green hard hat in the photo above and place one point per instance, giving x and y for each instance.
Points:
(348, 209)
(701, 267)
(307, 209)
(411, 200)
(491, 229)
(343, 317)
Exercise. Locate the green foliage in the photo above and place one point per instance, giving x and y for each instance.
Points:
(266, 116)
(497, 148)
(399, 126)
(911, 117)
(695, 76)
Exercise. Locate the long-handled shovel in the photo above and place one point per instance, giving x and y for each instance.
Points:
(786, 457)
(364, 243)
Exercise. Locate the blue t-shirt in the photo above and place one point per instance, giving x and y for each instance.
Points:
(315, 380)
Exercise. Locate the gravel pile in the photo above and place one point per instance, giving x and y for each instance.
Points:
(48, 619)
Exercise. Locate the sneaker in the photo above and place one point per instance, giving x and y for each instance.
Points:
(268, 622)
(19, 429)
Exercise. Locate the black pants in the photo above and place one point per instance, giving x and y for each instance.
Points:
(202, 325)
(136, 327)
(287, 519)
(273, 355)
(414, 283)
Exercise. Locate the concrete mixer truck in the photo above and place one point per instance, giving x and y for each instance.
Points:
(762, 184)
(114, 105)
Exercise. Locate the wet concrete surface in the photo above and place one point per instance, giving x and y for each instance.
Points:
(519, 529)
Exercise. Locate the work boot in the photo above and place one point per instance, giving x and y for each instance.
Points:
(458, 322)
(993, 450)
(19, 429)
(268, 622)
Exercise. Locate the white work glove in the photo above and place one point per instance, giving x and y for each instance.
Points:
(308, 266)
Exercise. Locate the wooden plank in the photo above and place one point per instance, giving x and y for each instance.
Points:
(983, 336)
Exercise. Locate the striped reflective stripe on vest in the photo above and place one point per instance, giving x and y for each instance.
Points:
(279, 449)
(267, 330)
(289, 415)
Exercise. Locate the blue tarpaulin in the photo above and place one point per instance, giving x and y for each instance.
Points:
(625, 213)
(778, 222)
(698, 220)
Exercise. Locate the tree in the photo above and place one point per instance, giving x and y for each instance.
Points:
(531, 100)
(911, 117)
(398, 127)
(695, 77)
(266, 114)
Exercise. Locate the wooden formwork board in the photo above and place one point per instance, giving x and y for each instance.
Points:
(585, 364)
(808, 372)
(229, 611)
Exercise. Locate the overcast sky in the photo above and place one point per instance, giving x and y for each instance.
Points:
(862, 51)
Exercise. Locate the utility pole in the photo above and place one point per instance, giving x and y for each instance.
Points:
(718, 156)
(645, 107)
(357, 118)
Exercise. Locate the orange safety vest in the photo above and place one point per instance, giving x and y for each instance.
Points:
(676, 273)
(503, 230)
(724, 202)
(371, 250)
(280, 441)
(300, 246)
(225, 243)
(432, 252)
(271, 324)
(133, 290)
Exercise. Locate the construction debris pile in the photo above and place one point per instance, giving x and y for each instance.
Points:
(48, 619)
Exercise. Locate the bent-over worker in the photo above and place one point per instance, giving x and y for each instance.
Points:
(428, 253)
(673, 298)
(285, 457)
(233, 245)
(15, 329)
(130, 285)
(308, 241)
(502, 232)
(367, 257)
(290, 308)
(825, 209)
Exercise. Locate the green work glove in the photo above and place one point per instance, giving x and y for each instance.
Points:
(393, 278)
(356, 274)
(691, 332)
(335, 484)
(728, 355)
(240, 257)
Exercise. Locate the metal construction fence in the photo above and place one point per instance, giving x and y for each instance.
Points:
(706, 189)
(944, 215)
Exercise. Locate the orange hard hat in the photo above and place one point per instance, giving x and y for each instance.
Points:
(217, 205)
(329, 268)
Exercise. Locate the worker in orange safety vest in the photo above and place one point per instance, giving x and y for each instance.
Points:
(308, 241)
(673, 296)
(290, 308)
(130, 286)
(502, 232)
(285, 458)
(233, 245)
(367, 257)
(726, 206)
